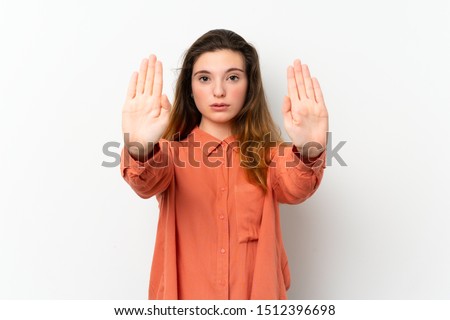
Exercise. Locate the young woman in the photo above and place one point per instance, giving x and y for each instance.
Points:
(217, 165)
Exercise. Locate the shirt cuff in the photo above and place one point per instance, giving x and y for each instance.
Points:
(135, 166)
(313, 163)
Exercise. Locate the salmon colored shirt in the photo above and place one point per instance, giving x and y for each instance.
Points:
(218, 236)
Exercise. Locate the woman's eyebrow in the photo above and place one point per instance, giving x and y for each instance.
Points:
(208, 72)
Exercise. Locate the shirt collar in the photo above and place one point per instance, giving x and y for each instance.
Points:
(209, 143)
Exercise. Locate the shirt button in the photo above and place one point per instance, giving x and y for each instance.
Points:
(221, 216)
(223, 189)
(222, 250)
(222, 282)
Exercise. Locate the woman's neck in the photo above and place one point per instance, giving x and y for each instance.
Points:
(220, 131)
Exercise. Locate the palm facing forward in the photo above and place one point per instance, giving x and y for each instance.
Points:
(145, 114)
(304, 112)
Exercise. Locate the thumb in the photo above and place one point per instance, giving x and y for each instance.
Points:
(286, 109)
(166, 106)
(286, 104)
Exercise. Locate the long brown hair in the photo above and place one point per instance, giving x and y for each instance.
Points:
(253, 126)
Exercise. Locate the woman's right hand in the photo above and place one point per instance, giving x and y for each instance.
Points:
(145, 114)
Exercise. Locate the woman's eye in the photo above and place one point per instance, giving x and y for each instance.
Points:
(234, 78)
(203, 79)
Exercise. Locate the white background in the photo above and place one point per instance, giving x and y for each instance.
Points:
(377, 228)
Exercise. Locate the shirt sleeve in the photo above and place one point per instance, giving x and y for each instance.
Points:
(152, 176)
(295, 179)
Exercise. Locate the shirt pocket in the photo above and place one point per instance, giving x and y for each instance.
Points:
(249, 207)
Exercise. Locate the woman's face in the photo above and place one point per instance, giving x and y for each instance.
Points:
(219, 87)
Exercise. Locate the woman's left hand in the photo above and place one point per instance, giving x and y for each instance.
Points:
(304, 112)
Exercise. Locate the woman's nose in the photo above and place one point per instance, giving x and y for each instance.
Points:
(219, 90)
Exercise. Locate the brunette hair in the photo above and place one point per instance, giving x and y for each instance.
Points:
(253, 126)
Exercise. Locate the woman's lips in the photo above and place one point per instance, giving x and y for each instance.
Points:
(219, 106)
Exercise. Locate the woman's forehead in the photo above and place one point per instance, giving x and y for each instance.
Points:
(221, 60)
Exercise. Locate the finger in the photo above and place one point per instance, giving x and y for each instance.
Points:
(141, 77)
(318, 91)
(150, 75)
(158, 81)
(292, 86)
(131, 92)
(299, 79)
(308, 82)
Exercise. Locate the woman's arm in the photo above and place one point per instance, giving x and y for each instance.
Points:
(297, 170)
(293, 178)
(152, 176)
(146, 162)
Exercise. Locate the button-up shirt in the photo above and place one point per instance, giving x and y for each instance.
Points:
(218, 235)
